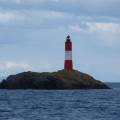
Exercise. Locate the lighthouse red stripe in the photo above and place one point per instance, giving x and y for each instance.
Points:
(68, 65)
(68, 46)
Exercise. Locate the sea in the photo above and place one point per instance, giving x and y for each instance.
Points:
(61, 104)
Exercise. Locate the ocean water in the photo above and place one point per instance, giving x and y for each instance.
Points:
(60, 104)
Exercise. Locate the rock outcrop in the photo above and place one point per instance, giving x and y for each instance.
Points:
(55, 80)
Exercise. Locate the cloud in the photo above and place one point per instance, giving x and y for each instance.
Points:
(9, 67)
(77, 7)
(45, 14)
(33, 18)
(105, 27)
(6, 17)
(53, 18)
(38, 1)
(10, 1)
(27, 2)
(96, 26)
(99, 33)
(75, 28)
(13, 66)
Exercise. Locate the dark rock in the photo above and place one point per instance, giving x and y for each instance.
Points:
(56, 80)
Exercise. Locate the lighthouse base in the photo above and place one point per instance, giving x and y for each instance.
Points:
(68, 65)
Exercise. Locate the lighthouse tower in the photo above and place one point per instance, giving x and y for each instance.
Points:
(68, 65)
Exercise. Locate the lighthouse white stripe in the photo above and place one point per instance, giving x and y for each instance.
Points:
(68, 55)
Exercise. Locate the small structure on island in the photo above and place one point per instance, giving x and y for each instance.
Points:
(68, 64)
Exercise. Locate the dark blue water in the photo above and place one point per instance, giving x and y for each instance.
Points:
(60, 104)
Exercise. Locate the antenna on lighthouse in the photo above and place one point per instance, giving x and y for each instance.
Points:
(68, 64)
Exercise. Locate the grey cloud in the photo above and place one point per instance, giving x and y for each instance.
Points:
(57, 13)
(44, 19)
(79, 7)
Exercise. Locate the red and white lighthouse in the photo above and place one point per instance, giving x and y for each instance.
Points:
(68, 65)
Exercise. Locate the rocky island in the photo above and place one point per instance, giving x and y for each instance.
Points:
(55, 80)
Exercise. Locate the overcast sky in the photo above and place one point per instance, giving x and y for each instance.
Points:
(33, 32)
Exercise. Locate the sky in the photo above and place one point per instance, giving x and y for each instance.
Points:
(33, 32)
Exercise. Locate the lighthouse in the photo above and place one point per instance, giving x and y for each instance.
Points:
(68, 64)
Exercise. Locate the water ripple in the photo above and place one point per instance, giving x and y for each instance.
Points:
(60, 104)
